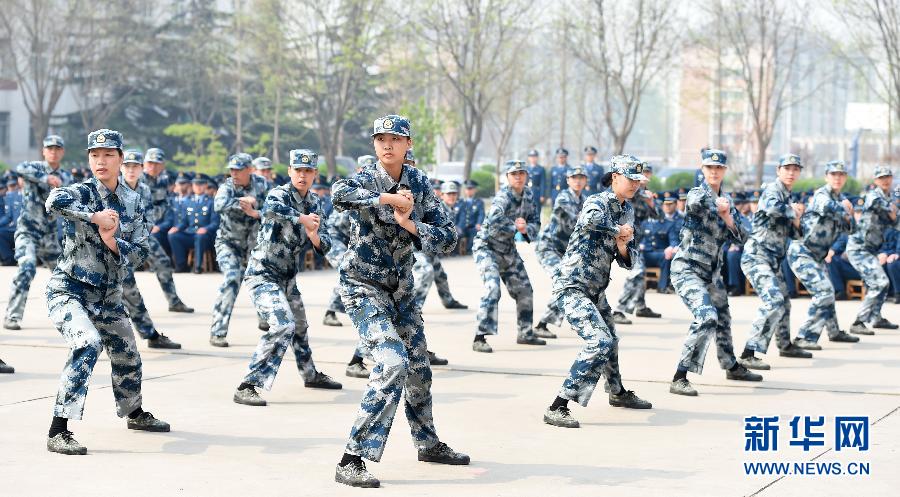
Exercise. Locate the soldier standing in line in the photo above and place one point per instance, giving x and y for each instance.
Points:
(105, 236)
(864, 251)
(498, 259)
(197, 228)
(537, 178)
(593, 171)
(132, 166)
(238, 205)
(554, 238)
(160, 213)
(558, 174)
(828, 216)
(472, 215)
(290, 226)
(35, 236)
(776, 221)
(396, 212)
(604, 233)
(711, 220)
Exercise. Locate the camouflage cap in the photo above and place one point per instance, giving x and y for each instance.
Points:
(155, 155)
(629, 166)
(240, 161)
(790, 160)
(393, 125)
(835, 166)
(881, 171)
(262, 163)
(714, 157)
(54, 141)
(133, 156)
(515, 165)
(303, 158)
(647, 167)
(576, 171)
(410, 156)
(450, 187)
(365, 160)
(105, 138)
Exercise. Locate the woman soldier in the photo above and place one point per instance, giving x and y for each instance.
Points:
(604, 232)
(512, 211)
(554, 238)
(104, 237)
(711, 220)
(290, 226)
(397, 213)
(829, 215)
(776, 222)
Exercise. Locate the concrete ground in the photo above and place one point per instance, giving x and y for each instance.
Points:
(489, 406)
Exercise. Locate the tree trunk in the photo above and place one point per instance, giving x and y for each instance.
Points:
(760, 160)
(276, 126)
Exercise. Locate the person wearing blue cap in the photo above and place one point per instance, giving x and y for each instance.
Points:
(197, 228)
(558, 174)
(593, 170)
(163, 217)
(634, 290)
(396, 213)
(603, 234)
(238, 204)
(660, 241)
(105, 238)
(864, 249)
(471, 215)
(36, 235)
(712, 219)
(828, 215)
(775, 223)
(290, 225)
(553, 239)
(537, 178)
(132, 169)
(512, 212)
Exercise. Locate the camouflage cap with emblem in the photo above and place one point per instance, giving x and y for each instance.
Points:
(155, 155)
(240, 161)
(835, 166)
(515, 165)
(627, 165)
(262, 163)
(790, 160)
(54, 141)
(714, 157)
(882, 171)
(133, 156)
(105, 138)
(303, 158)
(392, 125)
(576, 171)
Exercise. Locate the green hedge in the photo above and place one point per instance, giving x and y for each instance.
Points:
(485, 179)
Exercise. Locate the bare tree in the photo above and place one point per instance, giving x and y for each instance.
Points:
(42, 37)
(517, 94)
(334, 50)
(874, 47)
(475, 44)
(626, 45)
(766, 37)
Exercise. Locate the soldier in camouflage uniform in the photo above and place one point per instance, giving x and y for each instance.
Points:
(105, 234)
(131, 296)
(603, 233)
(775, 223)
(512, 211)
(237, 203)
(262, 167)
(428, 268)
(864, 251)
(35, 236)
(554, 238)
(290, 226)
(711, 220)
(634, 290)
(828, 215)
(158, 261)
(396, 212)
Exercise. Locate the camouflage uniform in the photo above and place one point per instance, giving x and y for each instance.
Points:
(35, 236)
(158, 261)
(131, 296)
(270, 278)
(697, 277)
(579, 288)
(633, 291)
(553, 240)
(235, 239)
(498, 259)
(761, 262)
(823, 222)
(428, 270)
(862, 250)
(85, 293)
(377, 290)
(338, 226)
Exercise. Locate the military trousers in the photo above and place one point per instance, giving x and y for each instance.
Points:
(495, 267)
(774, 316)
(31, 245)
(633, 291)
(550, 261)
(814, 276)
(876, 282)
(232, 260)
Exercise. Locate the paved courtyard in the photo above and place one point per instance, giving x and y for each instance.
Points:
(489, 406)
